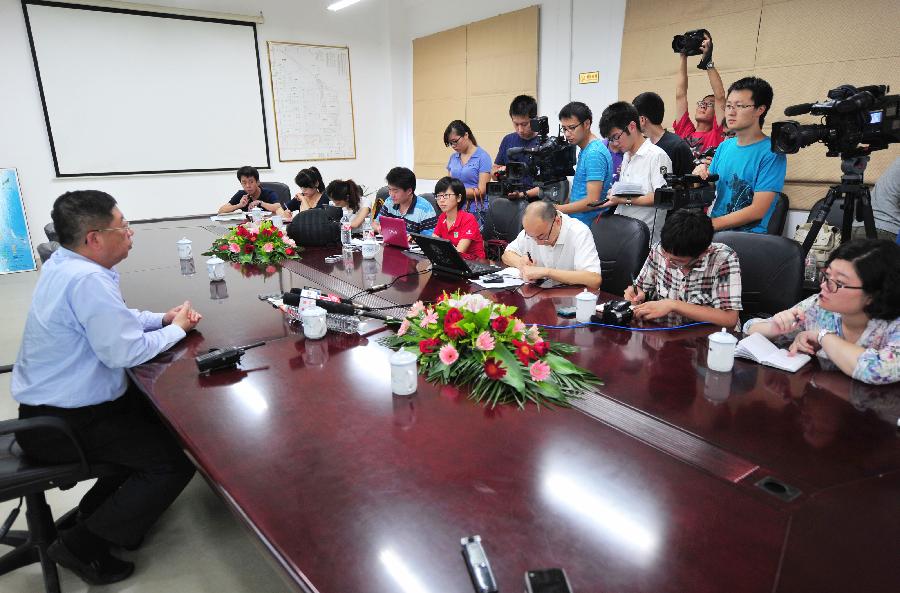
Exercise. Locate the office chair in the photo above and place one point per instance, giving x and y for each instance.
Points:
(45, 250)
(835, 215)
(771, 271)
(623, 244)
(281, 190)
(429, 196)
(779, 215)
(502, 224)
(50, 231)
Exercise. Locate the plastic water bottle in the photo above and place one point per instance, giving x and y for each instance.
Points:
(810, 269)
(367, 232)
(346, 324)
(345, 229)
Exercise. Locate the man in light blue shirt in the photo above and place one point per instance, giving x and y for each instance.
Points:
(594, 171)
(79, 339)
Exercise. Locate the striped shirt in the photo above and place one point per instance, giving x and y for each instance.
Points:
(420, 218)
(714, 280)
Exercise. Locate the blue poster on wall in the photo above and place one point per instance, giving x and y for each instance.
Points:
(15, 243)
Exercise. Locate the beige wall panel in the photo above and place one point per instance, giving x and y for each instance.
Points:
(648, 53)
(647, 14)
(813, 31)
(512, 32)
(430, 118)
(488, 116)
(437, 59)
(501, 74)
(429, 172)
(803, 196)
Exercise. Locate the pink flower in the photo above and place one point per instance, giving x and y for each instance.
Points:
(268, 247)
(519, 326)
(235, 248)
(484, 342)
(404, 327)
(289, 241)
(417, 309)
(540, 370)
(534, 333)
(430, 318)
(448, 354)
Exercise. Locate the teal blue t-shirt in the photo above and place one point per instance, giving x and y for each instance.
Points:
(594, 164)
(742, 171)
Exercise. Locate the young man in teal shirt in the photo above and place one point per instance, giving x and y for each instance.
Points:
(594, 171)
(750, 174)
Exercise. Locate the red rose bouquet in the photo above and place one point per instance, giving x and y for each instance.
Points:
(254, 243)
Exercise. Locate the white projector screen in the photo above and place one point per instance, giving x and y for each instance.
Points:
(129, 92)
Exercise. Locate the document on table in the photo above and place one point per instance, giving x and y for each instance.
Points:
(758, 348)
(510, 277)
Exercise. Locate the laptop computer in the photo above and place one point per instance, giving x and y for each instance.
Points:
(446, 260)
(394, 231)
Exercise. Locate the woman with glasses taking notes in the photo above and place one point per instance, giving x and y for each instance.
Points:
(454, 224)
(469, 163)
(852, 324)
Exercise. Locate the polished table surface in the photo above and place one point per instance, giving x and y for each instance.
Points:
(650, 486)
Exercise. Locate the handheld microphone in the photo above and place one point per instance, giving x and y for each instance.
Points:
(344, 309)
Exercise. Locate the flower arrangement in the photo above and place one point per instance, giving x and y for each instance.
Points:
(254, 243)
(467, 339)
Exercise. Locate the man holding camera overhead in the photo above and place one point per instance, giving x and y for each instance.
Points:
(707, 132)
(750, 174)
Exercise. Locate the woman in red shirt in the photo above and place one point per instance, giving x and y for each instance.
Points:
(455, 224)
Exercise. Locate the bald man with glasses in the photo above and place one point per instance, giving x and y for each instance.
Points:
(554, 246)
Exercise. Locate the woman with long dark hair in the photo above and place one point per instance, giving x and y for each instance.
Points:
(310, 195)
(345, 194)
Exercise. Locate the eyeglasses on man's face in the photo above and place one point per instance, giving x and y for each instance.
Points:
(737, 106)
(705, 104)
(614, 138)
(546, 236)
(832, 285)
(573, 127)
(125, 227)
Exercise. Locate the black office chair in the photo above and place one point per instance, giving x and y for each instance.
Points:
(45, 250)
(429, 196)
(50, 231)
(622, 244)
(835, 215)
(502, 224)
(771, 271)
(779, 215)
(281, 190)
(24, 478)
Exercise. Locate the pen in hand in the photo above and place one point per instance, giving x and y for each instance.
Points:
(531, 261)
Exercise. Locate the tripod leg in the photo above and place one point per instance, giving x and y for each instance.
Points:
(819, 220)
(865, 207)
(847, 221)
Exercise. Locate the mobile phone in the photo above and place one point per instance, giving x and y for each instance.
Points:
(550, 580)
(566, 312)
(492, 279)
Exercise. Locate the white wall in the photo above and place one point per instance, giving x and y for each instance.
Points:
(25, 146)
(567, 46)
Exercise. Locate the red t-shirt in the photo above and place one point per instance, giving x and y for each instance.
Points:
(699, 141)
(465, 227)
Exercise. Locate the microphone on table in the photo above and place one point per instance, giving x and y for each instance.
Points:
(346, 301)
(293, 300)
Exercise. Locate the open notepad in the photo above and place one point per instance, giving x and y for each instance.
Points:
(758, 348)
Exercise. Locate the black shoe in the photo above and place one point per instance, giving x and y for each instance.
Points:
(103, 570)
(135, 546)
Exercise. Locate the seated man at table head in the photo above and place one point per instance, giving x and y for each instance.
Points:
(402, 202)
(554, 246)
(689, 275)
(252, 195)
(454, 223)
(853, 324)
(79, 339)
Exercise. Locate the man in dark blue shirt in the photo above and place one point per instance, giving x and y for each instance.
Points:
(252, 195)
(522, 109)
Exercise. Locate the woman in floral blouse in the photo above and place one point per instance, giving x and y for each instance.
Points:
(852, 324)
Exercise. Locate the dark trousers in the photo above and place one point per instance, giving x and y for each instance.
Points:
(126, 432)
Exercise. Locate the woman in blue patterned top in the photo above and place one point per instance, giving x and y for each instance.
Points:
(469, 163)
(852, 324)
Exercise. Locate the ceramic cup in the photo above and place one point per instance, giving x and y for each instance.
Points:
(184, 248)
(720, 356)
(314, 326)
(585, 305)
(404, 375)
(215, 268)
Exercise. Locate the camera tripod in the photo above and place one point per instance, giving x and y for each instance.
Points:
(857, 199)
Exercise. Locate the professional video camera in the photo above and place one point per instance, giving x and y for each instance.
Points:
(684, 191)
(550, 162)
(508, 181)
(700, 156)
(851, 116)
(689, 43)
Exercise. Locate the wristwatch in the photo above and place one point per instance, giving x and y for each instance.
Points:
(711, 65)
(628, 201)
(823, 333)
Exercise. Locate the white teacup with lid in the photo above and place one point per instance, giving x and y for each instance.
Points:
(585, 305)
(720, 356)
(184, 248)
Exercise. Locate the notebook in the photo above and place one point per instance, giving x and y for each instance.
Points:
(446, 260)
(758, 348)
(628, 189)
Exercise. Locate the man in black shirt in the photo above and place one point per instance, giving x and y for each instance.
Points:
(252, 195)
(652, 109)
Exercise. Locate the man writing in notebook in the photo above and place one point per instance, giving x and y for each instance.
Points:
(553, 246)
(689, 275)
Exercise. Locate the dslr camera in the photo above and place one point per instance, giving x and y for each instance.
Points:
(685, 191)
(615, 313)
(850, 117)
(689, 43)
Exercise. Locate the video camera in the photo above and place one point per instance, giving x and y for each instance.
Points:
(508, 181)
(684, 191)
(851, 116)
(549, 163)
(689, 43)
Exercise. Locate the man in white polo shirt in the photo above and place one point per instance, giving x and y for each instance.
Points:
(554, 246)
(620, 124)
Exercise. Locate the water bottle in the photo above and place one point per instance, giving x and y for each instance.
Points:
(810, 270)
(345, 229)
(367, 232)
(347, 324)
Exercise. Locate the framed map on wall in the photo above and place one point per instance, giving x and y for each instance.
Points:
(313, 101)
(16, 254)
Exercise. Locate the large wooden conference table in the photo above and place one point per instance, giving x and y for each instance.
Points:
(674, 478)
